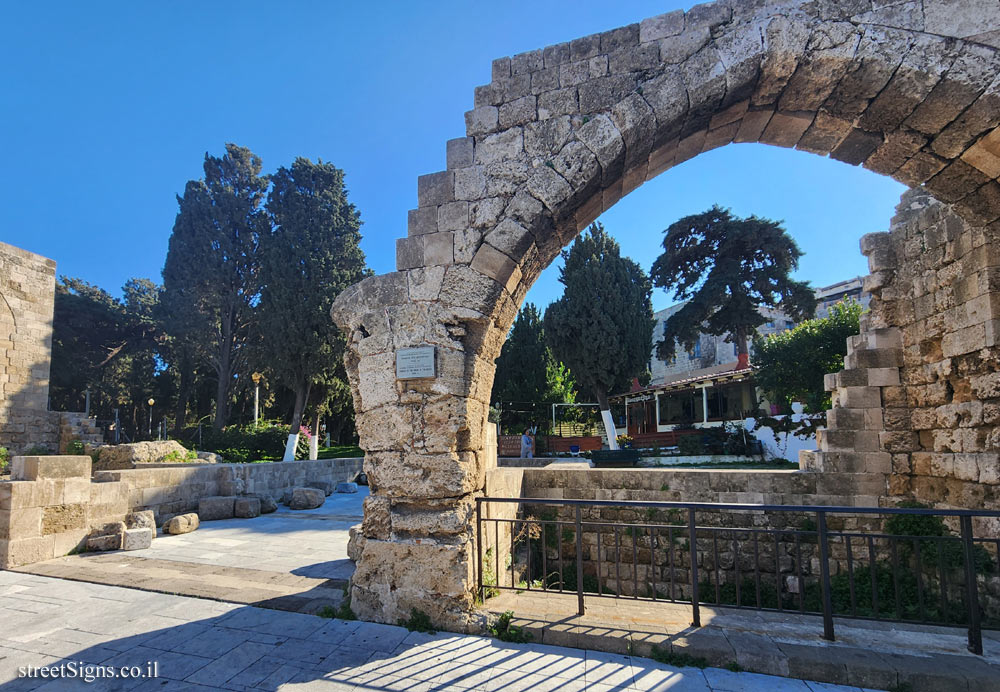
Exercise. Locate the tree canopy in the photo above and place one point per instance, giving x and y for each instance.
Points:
(726, 268)
(107, 346)
(791, 364)
(253, 265)
(212, 267)
(602, 326)
(528, 376)
(311, 254)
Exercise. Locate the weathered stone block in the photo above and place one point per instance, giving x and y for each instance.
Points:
(355, 543)
(15, 553)
(62, 518)
(246, 507)
(459, 152)
(37, 468)
(107, 542)
(435, 189)
(137, 539)
(306, 498)
(182, 523)
(347, 487)
(145, 519)
(421, 221)
(325, 486)
(661, 26)
(267, 504)
(215, 508)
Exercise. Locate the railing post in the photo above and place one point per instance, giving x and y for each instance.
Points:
(824, 571)
(693, 550)
(579, 559)
(479, 550)
(971, 587)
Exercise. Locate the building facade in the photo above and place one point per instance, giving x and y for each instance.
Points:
(705, 386)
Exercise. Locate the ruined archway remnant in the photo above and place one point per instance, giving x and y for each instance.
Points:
(27, 295)
(907, 89)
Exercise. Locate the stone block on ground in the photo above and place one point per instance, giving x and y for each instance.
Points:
(144, 519)
(267, 504)
(126, 456)
(111, 541)
(182, 523)
(325, 486)
(57, 467)
(307, 498)
(246, 507)
(215, 508)
(347, 487)
(106, 536)
(137, 539)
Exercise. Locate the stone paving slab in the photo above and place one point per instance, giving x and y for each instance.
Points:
(204, 645)
(274, 590)
(866, 654)
(295, 561)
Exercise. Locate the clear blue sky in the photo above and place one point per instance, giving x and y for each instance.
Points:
(108, 109)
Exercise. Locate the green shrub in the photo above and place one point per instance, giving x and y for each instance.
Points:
(175, 457)
(489, 575)
(37, 451)
(690, 445)
(341, 612)
(668, 657)
(75, 447)
(419, 621)
(242, 443)
(506, 632)
(4, 460)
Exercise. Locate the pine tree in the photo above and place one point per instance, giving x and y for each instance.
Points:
(210, 276)
(727, 268)
(602, 326)
(311, 255)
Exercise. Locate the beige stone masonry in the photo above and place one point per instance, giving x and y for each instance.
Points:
(561, 134)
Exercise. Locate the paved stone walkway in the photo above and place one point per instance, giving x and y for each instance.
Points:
(203, 645)
(295, 561)
(309, 543)
(868, 654)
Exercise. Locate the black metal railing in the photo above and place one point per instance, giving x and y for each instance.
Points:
(904, 564)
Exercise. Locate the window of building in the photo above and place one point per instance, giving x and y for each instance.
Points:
(679, 407)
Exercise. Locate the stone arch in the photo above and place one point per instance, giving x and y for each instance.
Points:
(560, 135)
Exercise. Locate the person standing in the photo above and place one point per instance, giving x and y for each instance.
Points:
(526, 445)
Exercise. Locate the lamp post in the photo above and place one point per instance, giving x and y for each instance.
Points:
(150, 402)
(256, 377)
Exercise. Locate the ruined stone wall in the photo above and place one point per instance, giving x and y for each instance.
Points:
(27, 297)
(560, 135)
(936, 278)
(51, 506)
(175, 489)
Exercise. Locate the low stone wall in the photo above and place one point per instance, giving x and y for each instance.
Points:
(699, 459)
(687, 485)
(52, 503)
(174, 489)
(50, 507)
(521, 462)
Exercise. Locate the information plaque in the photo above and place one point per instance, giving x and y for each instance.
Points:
(415, 363)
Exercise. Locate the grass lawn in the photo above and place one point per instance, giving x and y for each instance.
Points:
(340, 452)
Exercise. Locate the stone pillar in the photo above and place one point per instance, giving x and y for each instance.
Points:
(425, 444)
